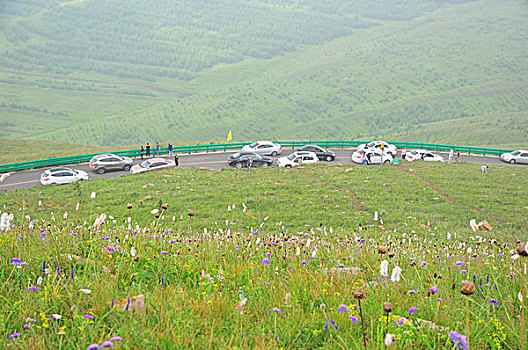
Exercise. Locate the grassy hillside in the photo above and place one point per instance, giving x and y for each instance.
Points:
(270, 259)
(358, 73)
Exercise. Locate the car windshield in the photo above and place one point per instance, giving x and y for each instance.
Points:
(291, 156)
(253, 145)
(515, 153)
(144, 164)
(372, 144)
(235, 155)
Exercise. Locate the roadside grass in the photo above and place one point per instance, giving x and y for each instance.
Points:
(276, 270)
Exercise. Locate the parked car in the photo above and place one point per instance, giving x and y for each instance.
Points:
(371, 157)
(62, 176)
(263, 148)
(422, 154)
(152, 164)
(296, 158)
(519, 156)
(239, 160)
(376, 146)
(105, 162)
(322, 154)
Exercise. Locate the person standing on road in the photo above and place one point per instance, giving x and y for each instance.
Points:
(141, 151)
(451, 155)
(249, 164)
(157, 149)
(170, 150)
(176, 160)
(458, 156)
(404, 153)
(148, 150)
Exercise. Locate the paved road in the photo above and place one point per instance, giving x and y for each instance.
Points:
(213, 160)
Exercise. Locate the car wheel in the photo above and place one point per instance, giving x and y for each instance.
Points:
(274, 153)
(512, 161)
(288, 166)
(238, 165)
(126, 167)
(329, 158)
(101, 171)
(265, 165)
(386, 162)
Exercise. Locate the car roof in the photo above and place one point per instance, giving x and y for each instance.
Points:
(54, 170)
(105, 155)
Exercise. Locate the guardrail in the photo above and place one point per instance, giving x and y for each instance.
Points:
(237, 145)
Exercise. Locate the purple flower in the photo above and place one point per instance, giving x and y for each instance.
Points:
(412, 291)
(265, 261)
(493, 302)
(276, 309)
(43, 235)
(330, 322)
(459, 263)
(88, 316)
(110, 249)
(412, 309)
(459, 340)
(463, 271)
(433, 290)
(26, 326)
(93, 347)
(439, 299)
(164, 252)
(342, 308)
(353, 319)
(255, 233)
(107, 344)
(304, 262)
(14, 335)
(105, 238)
(423, 264)
(117, 338)
(32, 288)
(15, 261)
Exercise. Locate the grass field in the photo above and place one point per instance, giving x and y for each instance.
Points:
(269, 259)
(453, 72)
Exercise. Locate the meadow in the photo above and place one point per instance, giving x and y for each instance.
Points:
(275, 258)
(451, 71)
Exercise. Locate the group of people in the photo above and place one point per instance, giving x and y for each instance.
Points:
(146, 151)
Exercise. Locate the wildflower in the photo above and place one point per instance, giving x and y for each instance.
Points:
(412, 291)
(15, 261)
(523, 249)
(423, 264)
(353, 319)
(56, 317)
(389, 338)
(107, 344)
(439, 299)
(342, 308)
(265, 261)
(85, 291)
(382, 249)
(330, 322)
(304, 262)
(275, 309)
(433, 290)
(493, 302)
(359, 293)
(459, 340)
(14, 335)
(396, 274)
(116, 338)
(164, 252)
(32, 288)
(93, 347)
(26, 326)
(88, 316)
(459, 263)
(384, 268)
(467, 288)
(387, 307)
(412, 309)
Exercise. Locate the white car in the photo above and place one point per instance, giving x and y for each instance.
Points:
(518, 156)
(152, 164)
(376, 146)
(266, 148)
(62, 176)
(422, 154)
(296, 158)
(371, 157)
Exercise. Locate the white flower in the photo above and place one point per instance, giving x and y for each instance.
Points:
(56, 317)
(65, 216)
(520, 296)
(396, 274)
(388, 339)
(515, 257)
(39, 280)
(384, 268)
(154, 211)
(85, 291)
(376, 216)
(298, 251)
(100, 220)
(92, 195)
(77, 206)
(133, 252)
(314, 253)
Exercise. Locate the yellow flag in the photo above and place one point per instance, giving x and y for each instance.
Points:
(229, 138)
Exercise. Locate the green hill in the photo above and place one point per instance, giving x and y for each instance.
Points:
(264, 69)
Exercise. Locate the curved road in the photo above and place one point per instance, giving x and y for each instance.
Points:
(213, 160)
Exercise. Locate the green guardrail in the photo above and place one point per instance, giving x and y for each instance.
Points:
(40, 163)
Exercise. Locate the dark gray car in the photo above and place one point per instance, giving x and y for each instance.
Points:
(109, 162)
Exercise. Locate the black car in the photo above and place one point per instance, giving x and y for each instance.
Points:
(240, 159)
(322, 154)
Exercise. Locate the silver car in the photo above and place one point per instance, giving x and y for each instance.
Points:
(106, 162)
(519, 156)
(62, 176)
(267, 148)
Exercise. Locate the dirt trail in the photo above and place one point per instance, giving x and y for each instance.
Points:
(357, 202)
(136, 85)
